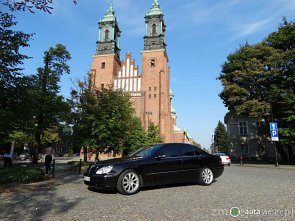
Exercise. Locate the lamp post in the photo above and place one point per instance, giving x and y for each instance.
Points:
(148, 113)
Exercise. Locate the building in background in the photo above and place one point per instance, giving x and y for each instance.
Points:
(247, 138)
(150, 89)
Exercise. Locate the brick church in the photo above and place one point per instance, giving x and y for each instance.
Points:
(150, 90)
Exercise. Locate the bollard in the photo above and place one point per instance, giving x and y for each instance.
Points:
(80, 165)
(241, 158)
(53, 167)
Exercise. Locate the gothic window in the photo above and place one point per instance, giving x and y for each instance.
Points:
(106, 35)
(243, 128)
(153, 63)
(103, 65)
(150, 88)
(155, 95)
(150, 96)
(155, 88)
(154, 29)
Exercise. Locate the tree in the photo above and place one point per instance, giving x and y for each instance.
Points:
(22, 5)
(136, 136)
(50, 108)
(220, 138)
(102, 119)
(11, 83)
(282, 91)
(153, 134)
(258, 81)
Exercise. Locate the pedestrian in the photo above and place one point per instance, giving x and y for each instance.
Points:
(89, 154)
(8, 152)
(49, 151)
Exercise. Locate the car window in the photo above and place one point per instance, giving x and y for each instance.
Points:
(188, 150)
(145, 151)
(170, 150)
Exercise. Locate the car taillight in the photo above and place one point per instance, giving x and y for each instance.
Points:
(228, 158)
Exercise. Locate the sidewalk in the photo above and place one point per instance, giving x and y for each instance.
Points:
(270, 166)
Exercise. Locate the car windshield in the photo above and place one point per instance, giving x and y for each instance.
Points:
(145, 151)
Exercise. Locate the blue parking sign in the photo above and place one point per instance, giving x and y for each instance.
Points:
(274, 131)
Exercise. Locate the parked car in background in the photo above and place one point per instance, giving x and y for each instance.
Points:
(158, 164)
(24, 156)
(225, 159)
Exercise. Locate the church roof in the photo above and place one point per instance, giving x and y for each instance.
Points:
(155, 10)
(110, 15)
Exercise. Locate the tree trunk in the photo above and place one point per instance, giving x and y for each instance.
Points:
(290, 152)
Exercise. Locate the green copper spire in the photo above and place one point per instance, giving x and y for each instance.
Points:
(155, 10)
(110, 15)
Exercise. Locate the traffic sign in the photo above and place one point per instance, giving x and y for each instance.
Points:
(274, 131)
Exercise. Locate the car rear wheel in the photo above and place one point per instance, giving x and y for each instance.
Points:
(206, 176)
(128, 182)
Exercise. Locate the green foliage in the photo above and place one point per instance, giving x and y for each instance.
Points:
(220, 138)
(11, 83)
(21, 5)
(11, 42)
(153, 134)
(50, 135)
(136, 136)
(258, 81)
(102, 119)
(50, 108)
(21, 175)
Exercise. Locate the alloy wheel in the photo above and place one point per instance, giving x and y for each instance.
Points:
(130, 182)
(207, 176)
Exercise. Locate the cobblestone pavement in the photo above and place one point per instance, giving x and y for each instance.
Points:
(263, 192)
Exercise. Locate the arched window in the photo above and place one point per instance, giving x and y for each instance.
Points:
(154, 29)
(106, 35)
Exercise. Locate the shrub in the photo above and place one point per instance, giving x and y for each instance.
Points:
(21, 175)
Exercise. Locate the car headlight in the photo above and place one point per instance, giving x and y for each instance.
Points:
(104, 170)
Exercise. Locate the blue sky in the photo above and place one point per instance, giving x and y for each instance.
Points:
(200, 35)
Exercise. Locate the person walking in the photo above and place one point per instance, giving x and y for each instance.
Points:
(8, 152)
(49, 151)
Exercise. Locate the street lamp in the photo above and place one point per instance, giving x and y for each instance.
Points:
(148, 113)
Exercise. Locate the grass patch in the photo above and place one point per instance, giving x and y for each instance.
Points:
(21, 175)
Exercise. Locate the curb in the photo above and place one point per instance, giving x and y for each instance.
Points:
(269, 166)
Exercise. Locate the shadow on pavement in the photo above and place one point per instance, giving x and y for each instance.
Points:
(36, 201)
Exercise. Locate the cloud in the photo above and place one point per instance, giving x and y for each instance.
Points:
(251, 28)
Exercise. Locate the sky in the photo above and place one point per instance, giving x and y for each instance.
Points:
(200, 34)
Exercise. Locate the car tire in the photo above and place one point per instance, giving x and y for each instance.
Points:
(128, 182)
(228, 164)
(206, 176)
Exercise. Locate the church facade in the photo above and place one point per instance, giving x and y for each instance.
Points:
(150, 90)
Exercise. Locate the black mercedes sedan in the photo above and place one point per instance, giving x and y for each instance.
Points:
(159, 164)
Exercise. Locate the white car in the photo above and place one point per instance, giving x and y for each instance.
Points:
(224, 158)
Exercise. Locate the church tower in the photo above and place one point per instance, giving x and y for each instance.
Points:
(155, 73)
(106, 60)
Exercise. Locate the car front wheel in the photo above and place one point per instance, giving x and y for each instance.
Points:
(128, 182)
(206, 176)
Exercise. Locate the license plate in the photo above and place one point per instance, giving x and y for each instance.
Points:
(86, 178)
